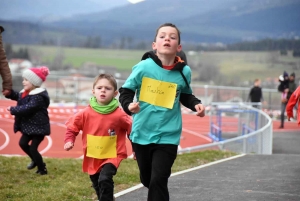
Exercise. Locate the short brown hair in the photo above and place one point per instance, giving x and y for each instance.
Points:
(168, 25)
(109, 77)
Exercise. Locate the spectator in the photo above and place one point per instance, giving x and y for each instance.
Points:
(255, 94)
(283, 88)
(4, 69)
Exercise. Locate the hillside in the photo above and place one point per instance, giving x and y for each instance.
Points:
(45, 11)
(200, 21)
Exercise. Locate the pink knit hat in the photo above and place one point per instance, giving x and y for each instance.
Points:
(36, 76)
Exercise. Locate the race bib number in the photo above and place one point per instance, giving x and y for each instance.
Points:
(101, 147)
(158, 92)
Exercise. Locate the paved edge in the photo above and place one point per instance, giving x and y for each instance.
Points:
(178, 173)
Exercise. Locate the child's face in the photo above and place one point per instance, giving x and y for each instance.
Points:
(166, 41)
(27, 85)
(104, 91)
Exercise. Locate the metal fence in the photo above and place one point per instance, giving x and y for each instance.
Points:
(256, 138)
(78, 90)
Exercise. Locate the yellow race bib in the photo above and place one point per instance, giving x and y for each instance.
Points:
(157, 92)
(101, 147)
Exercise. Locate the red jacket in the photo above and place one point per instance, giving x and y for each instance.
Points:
(90, 122)
(294, 99)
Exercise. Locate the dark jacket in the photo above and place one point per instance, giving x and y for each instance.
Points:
(188, 100)
(31, 114)
(292, 88)
(4, 68)
(255, 94)
(182, 55)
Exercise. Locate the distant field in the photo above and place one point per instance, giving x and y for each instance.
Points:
(121, 59)
(232, 65)
(249, 65)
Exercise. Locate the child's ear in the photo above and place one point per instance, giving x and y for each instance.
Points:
(116, 93)
(154, 46)
(179, 48)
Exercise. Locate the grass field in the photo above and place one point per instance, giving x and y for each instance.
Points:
(232, 65)
(66, 181)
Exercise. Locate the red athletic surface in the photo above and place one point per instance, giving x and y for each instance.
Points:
(195, 132)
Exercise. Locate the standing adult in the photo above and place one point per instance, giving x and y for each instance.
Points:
(255, 94)
(4, 69)
(283, 88)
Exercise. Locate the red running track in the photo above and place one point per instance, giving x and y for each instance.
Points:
(195, 132)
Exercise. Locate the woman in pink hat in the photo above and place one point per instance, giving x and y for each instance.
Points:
(31, 115)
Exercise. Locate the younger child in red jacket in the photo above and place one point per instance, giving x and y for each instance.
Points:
(104, 126)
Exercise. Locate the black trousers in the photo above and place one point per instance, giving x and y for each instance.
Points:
(155, 162)
(32, 149)
(103, 182)
(282, 116)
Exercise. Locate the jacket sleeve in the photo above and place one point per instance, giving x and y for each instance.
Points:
(70, 135)
(250, 95)
(29, 108)
(13, 95)
(189, 101)
(4, 68)
(127, 124)
(292, 102)
(261, 95)
(125, 98)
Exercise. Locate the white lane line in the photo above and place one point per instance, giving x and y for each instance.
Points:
(6, 139)
(197, 134)
(49, 145)
(178, 173)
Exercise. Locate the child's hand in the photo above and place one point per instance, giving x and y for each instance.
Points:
(6, 92)
(68, 146)
(134, 107)
(200, 110)
(134, 157)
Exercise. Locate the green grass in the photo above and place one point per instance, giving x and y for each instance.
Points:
(65, 180)
(246, 66)
(120, 59)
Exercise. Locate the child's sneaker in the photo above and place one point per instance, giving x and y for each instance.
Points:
(42, 171)
(31, 165)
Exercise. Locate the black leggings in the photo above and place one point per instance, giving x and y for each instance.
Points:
(32, 149)
(103, 182)
(155, 162)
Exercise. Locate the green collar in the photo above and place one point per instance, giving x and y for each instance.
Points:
(104, 109)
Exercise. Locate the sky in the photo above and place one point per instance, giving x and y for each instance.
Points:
(135, 1)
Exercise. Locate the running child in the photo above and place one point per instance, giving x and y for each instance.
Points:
(161, 81)
(104, 127)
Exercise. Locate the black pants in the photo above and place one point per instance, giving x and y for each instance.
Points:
(103, 182)
(32, 149)
(282, 116)
(155, 162)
